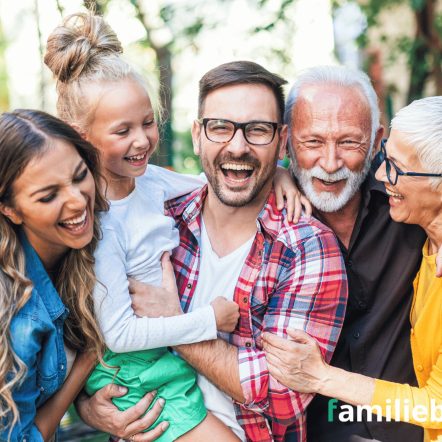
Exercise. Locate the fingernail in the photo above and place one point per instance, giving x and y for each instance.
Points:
(164, 425)
(161, 401)
(122, 389)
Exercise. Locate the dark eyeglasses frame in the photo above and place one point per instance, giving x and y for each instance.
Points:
(399, 172)
(241, 126)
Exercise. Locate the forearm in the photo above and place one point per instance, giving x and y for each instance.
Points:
(50, 414)
(217, 361)
(132, 333)
(346, 386)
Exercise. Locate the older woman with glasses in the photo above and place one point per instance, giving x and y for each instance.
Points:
(411, 169)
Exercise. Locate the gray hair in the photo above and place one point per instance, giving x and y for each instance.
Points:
(421, 124)
(340, 76)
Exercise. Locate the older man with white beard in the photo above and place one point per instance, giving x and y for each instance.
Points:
(333, 119)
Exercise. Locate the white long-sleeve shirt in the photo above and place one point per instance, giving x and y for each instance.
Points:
(135, 235)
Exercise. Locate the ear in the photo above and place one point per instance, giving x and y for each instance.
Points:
(283, 136)
(196, 133)
(377, 141)
(11, 213)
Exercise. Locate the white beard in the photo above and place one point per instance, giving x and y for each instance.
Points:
(328, 201)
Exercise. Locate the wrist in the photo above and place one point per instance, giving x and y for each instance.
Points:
(325, 380)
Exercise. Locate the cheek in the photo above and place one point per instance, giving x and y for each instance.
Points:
(307, 159)
(354, 160)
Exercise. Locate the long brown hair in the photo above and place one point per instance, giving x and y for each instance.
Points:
(24, 134)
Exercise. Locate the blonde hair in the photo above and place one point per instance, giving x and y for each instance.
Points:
(85, 50)
(25, 134)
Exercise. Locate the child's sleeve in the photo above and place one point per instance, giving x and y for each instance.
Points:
(123, 331)
(175, 184)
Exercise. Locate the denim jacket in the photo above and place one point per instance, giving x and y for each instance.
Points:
(37, 338)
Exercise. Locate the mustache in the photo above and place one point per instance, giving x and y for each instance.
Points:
(245, 158)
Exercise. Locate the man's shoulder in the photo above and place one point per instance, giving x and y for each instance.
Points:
(176, 206)
(306, 229)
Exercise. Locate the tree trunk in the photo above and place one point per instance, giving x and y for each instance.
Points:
(163, 54)
(427, 60)
(419, 71)
(164, 151)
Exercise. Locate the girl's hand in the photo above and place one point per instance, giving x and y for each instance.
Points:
(226, 314)
(286, 191)
(298, 363)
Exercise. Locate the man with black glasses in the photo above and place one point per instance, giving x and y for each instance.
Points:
(235, 243)
(333, 119)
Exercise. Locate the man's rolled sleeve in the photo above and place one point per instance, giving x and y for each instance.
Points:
(310, 295)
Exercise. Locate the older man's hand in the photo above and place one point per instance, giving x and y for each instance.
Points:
(99, 412)
(297, 362)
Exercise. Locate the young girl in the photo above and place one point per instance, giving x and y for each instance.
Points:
(48, 233)
(104, 98)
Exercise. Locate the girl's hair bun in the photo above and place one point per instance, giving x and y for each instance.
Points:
(77, 46)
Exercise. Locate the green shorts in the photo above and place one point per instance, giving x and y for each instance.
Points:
(157, 369)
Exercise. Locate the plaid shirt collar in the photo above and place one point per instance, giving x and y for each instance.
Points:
(269, 220)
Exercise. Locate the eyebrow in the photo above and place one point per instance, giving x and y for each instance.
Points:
(54, 186)
(129, 123)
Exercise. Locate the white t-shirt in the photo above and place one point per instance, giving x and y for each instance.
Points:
(218, 277)
(135, 234)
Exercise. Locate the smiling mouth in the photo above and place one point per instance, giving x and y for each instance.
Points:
(396, 196)
(238, 172)
(136, 158)
(75, 224)
(329, 183)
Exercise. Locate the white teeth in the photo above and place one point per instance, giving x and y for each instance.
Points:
(136, 157)
(394, 195)
(234, 166)
(78, 220)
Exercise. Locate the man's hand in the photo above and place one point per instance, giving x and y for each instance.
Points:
(153, 302)
(99, 412)
(297, 362)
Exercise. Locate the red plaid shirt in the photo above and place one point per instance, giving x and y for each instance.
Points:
(293, 277)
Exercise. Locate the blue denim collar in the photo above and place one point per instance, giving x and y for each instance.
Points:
(41, 281)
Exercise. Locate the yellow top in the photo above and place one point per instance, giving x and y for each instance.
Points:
(398, 400)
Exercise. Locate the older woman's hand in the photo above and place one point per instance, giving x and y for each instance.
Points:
(100, 412)
(297, 362)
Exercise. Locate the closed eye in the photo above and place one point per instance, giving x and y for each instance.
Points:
(81, 176)
(48, 198)
(149, 123)
(122, 131)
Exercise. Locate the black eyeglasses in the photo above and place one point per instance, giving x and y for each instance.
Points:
(257, 133)
(393, 171)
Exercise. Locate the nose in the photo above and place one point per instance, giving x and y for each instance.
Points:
(141, 139)
(330, 160)
(75, 199)
(381, 173)
(238, 144)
